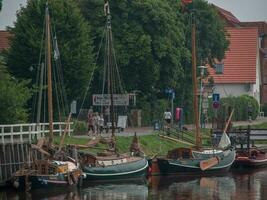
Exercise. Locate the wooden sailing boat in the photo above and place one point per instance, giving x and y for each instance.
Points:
(52, 170)
(196, 160)
(112, 165)
(250, 157)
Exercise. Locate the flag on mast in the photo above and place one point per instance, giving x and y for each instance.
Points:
(185, 2)
(106, 8)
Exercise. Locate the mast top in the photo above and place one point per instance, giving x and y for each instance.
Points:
(106, 8)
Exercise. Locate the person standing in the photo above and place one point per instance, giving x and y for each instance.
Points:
(101, 123)
(167, 118)
(106, 118)
(90, 121)
(96, 122)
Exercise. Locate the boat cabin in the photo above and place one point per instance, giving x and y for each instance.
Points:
(180, 153)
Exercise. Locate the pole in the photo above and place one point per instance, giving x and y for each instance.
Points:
(172, 108)
(194, 80)
(200, 100)
(202, 68)
(40, 94)
(49, 77)
(110, 71)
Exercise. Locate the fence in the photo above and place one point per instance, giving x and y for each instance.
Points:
(15, 144)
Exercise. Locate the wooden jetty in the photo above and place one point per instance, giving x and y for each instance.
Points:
(15, 144)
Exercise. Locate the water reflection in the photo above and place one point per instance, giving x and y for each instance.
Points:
(120, 190)
(243, 185)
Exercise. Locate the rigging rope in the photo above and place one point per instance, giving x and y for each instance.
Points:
(38, 73)
(92, 73)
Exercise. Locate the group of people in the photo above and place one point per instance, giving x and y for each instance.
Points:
(95, 122)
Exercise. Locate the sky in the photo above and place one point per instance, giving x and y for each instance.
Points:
(244, 10)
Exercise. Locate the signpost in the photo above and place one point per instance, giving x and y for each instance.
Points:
(104, 100)
(172, 93)
(215, 100)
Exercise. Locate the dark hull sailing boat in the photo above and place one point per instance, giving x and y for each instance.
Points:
(114, 165)
(186, 161)
(54, 169)
(48, 173)
(254, 159)
(220, 162)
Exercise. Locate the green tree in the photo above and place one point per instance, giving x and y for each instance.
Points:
(73, 38)
(211, 36)
(152, 40)
(148, 39)
(13, 98)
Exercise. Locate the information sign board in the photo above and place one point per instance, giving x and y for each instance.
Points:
(105, 100)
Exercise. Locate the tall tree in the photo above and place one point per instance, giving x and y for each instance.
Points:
(211, 36)
(153, 41)
(13, 98)
(74, 43)
(148, 39)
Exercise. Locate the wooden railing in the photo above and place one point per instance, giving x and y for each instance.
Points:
(14, 133)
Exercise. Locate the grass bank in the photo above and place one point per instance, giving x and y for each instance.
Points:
(150, 144)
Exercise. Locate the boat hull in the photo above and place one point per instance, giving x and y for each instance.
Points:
(43, 181)
(192, 166)
(134, 169)
(250, 162)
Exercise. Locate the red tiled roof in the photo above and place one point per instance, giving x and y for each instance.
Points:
(241, 58)
(228, 16)
(4, 42)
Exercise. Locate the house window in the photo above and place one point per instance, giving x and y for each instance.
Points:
(219, 68)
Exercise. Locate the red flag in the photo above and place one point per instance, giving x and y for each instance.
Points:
(185, 2)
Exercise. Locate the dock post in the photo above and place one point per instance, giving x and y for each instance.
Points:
(248, 140)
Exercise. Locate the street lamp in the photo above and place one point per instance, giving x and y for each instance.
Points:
(202, 70)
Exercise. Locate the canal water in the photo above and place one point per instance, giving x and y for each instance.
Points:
(237, 185)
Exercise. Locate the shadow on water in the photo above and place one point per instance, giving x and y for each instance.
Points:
(238, 184)
(119, 189)
(245, 184)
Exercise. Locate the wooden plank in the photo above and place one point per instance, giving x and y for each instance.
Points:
(206, 164)
(175, 140)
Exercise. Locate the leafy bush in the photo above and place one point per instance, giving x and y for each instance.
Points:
(240, 104)
(13, 98)
(80, 128)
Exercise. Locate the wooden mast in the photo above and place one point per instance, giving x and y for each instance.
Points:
(194, 80)
(109, 66)
(49, 75)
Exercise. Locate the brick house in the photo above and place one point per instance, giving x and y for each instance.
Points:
(239, 72)
(4, 41)
(244, 69)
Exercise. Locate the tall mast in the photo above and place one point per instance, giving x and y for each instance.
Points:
(194, 80)
(49, 75)
(109, 66)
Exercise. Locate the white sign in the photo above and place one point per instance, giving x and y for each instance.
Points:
(73, 106)
(122, 121)
(105, 100)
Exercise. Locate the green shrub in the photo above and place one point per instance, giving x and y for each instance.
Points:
(240, 104)
(153, 111)
(79, 128)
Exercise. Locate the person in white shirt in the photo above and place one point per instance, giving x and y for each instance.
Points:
(167, 117)
(101, 123)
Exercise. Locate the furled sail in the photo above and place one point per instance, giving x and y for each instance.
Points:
(225, 141)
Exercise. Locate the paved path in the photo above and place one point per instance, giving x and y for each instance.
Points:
(149, 130)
